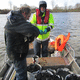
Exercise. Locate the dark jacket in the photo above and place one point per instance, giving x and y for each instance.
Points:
(16, 29)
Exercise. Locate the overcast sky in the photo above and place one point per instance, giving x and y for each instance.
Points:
(4, 4)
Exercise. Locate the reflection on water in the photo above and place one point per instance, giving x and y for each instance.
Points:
(63, 23)
(2, 45)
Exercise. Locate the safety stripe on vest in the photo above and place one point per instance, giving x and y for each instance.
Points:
(43, 39)
(42, 24)
(34, 24)
(51, 24)
(45, 24)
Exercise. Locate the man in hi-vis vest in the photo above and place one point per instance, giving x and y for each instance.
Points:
(43, 20)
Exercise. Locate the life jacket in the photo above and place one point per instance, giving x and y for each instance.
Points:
(39, 21)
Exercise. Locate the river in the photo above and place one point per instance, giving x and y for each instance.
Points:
(63, 23)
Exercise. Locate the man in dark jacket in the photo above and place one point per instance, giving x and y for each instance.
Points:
(16, 29)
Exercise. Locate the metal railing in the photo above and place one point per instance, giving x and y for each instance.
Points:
(70, 49)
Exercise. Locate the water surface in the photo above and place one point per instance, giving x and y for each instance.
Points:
(63, 23)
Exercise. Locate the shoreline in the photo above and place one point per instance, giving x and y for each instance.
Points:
(5, 11)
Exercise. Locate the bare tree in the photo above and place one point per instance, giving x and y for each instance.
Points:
(24, 5)
(15, 7)
(56, 7)
(70, 7)
(10, 4)
(65, 4)
(77, 5)
(52, 3)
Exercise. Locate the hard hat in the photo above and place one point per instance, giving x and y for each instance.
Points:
(42, 3)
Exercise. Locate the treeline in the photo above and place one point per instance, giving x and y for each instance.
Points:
(61, 10)
(4, 11)
(66, 8)
(75, 8)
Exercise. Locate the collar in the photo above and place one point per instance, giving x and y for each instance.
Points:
(43, 14)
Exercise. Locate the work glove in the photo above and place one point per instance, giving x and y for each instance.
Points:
(41, 32)
(45, 31)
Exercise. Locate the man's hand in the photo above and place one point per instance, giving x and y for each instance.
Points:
(41, 32)
(45, 31)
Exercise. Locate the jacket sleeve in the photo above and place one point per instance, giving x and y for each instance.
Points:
(51, 20)
(24, 28)
(27, 29)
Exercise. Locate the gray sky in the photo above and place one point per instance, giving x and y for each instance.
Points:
(4, 4)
